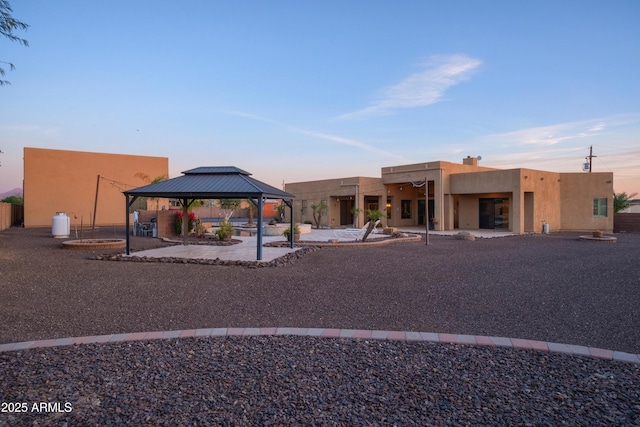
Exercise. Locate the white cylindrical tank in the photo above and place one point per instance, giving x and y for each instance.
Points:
(60, 225)
(545, 228)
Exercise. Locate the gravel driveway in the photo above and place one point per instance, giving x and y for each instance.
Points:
(542, 287)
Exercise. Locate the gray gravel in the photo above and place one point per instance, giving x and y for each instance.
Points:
(316, 381)
(549, 288)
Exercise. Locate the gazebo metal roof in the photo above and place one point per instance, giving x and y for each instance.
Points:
(213, 182)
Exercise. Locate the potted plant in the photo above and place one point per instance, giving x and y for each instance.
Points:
(225, 231)
(296, 233)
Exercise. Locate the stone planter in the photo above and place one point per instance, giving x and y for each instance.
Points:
(598, 234)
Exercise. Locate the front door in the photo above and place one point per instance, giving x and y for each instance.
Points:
(346, 212)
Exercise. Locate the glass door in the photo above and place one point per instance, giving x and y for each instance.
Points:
(494, 213)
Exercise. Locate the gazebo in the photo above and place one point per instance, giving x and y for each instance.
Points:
(212, 182)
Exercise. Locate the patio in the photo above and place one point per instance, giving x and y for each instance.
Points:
(245, 251)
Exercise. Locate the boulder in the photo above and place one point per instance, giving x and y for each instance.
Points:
(464, 235)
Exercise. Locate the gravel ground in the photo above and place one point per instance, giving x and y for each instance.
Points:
(543, 287)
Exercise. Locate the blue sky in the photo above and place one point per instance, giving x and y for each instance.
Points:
(303, 90)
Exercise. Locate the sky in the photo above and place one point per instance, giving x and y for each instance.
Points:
(303, 90)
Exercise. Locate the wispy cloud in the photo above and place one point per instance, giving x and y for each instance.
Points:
(563, 146)
(251, 116)
(545, 136)
(349, 142)
(321, 135)
(423, 88)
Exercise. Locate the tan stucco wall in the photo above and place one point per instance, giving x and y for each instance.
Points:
(331, 190)
(578, 192)
(527, 211)
(562, 200)
(65, 181)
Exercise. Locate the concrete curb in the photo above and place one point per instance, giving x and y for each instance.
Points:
(442, 338)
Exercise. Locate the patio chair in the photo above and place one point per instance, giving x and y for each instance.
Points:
(353, 233)
(356, 233)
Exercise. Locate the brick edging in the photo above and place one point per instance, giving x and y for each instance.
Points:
(442, 338)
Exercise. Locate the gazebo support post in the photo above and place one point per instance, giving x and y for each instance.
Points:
(185, 222)
(128, 203)
(290, 204)
(260, 209)
(292, 227)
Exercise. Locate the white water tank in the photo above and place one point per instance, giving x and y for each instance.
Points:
(60, 225)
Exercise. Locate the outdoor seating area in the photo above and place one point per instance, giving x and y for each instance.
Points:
(144, 229)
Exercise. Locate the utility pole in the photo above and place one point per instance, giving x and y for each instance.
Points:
(590, 157)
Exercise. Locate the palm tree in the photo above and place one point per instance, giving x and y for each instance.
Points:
(621, 201)
(148, 181)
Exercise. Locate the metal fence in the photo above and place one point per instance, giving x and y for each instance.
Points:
(626, 223)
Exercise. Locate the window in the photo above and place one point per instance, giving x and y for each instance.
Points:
(405, 209)
(600, 207)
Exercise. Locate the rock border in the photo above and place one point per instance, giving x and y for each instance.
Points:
(286, 259)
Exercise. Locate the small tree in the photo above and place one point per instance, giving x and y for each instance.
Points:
(229, 207)
(354, 215)
(319, 209)
(252, 212)
(374, 215)
(621, 201)
(14, 200)
(281, 208)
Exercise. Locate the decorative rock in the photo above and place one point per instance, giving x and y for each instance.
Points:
(464, 235)
(209, 380)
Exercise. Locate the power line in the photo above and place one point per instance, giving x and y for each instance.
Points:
(117, 184)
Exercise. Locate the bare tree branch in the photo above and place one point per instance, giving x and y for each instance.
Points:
(7, 25)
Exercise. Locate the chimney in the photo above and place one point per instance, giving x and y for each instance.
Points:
(471, 161)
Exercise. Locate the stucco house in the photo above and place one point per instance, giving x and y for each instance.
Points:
(464, 196)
